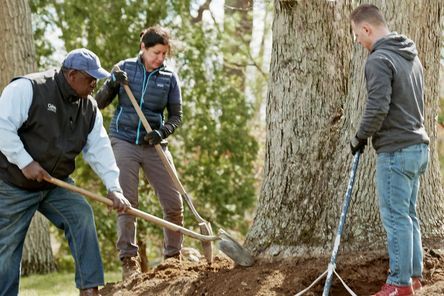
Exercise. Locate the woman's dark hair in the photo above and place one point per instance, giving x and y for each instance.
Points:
(155, 35)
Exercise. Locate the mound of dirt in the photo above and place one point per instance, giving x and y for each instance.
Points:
(363, 273)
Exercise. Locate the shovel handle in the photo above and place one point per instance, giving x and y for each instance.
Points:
(82, 191)
(132, 211)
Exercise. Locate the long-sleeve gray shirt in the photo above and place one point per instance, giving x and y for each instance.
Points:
(394, 112)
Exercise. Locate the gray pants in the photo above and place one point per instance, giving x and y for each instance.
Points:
(130, 158)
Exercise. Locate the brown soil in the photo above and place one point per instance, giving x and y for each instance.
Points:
(363, 273)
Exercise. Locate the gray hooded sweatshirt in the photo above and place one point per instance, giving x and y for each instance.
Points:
(394, 112)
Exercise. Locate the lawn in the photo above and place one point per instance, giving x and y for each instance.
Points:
(56, 284)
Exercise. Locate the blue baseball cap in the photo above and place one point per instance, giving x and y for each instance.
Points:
(85, 60)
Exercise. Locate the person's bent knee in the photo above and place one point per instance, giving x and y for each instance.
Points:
(84, 213)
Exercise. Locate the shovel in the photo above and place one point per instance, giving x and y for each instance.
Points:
(227, 244)
(205, 227)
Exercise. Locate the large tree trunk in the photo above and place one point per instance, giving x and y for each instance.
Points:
(17, 57)
(316, 98)
(37, 253)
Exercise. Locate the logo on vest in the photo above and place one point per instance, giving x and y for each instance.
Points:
(52, 108)
(160, 85)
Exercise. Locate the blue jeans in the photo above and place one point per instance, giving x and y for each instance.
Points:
(68, 211)
(397, 182)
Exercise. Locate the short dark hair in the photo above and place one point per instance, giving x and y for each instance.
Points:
(368, 13)
(155, 35)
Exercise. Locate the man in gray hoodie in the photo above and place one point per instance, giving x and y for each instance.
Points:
(394, 119)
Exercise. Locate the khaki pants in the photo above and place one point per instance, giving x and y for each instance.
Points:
(130, 158)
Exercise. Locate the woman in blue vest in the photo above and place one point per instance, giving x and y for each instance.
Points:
(156, 89)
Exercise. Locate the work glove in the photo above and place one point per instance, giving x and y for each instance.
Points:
(357, 144)
(120, 203)
(154, 137)
(118, 77)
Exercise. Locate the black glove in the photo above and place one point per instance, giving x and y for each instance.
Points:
(357, 144)
(154, 137)
(118, 77)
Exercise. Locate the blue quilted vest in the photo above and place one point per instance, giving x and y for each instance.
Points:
(151, 91)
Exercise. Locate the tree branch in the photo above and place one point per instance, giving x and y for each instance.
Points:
(200, 12)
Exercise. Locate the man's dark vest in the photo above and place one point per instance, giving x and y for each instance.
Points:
(55, 132)
(125, 123)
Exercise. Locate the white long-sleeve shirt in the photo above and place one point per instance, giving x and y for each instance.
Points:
(15, 102)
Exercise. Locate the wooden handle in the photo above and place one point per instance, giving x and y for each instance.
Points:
(82, 191)
(132, 211)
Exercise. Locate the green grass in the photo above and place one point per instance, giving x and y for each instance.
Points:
(56, 284)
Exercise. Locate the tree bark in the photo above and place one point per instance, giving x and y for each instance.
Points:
(316, 98)
(37, 253)
(17, 57)
(17, 53)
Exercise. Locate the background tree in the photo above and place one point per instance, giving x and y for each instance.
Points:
(215, 142)
(17, 57)
(316, 97)
(213, 150)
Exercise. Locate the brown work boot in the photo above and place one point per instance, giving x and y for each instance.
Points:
(177, 256)
(90, 292)
(130, 267)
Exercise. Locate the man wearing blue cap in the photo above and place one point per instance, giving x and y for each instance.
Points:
(46, 120)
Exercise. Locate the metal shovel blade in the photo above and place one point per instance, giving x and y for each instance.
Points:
(234, 250)
(207, 246)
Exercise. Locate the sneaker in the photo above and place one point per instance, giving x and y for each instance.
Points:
(130, 267)
(416, 284)
(392, 290)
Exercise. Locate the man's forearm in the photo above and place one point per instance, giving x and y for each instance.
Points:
(106, 94)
